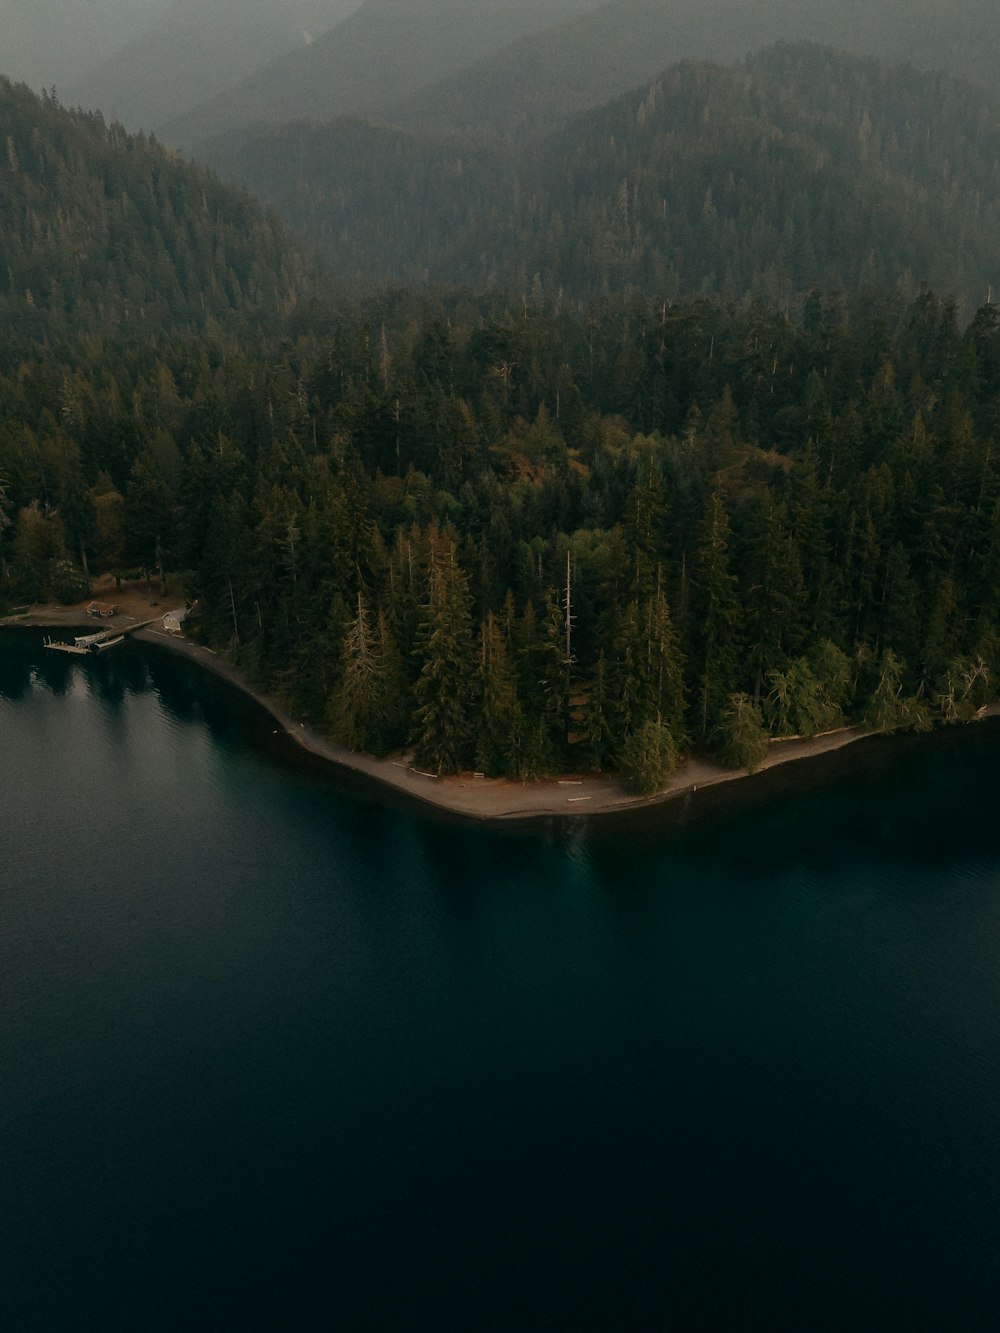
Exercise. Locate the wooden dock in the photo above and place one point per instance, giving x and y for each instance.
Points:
(95, 643)
(66, 648)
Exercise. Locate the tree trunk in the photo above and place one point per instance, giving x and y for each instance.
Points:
(232, 603)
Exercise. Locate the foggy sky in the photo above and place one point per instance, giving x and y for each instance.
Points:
(50, 42)
(151, 62)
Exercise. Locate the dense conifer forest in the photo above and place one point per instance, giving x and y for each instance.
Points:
(516, 532)
(103, 231)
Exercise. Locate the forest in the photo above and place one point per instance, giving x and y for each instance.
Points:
(514, 532)
(103, 231)
(536, 541)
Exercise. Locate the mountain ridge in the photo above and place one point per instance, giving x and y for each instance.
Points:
(535, 85)
(381, 52)
(754, 179)
(195, 51)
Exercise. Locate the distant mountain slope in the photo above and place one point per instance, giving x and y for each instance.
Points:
(103, 231)
(384, 51)
(797, 167)
(200, 48)
(539, 83)
(50, 42)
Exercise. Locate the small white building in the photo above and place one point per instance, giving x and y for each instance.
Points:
(173, 620)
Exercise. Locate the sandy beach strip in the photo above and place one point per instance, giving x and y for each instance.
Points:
(571, 796)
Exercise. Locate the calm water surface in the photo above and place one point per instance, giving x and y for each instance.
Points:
(275, 1056)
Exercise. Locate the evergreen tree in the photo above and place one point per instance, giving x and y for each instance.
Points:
(368, 710)
(598, 720)
(890, 709)
(649, 757)
(799, 703)
(664, 663)
(500, 730)
(717, 619)
(444, 695)
(744, 739)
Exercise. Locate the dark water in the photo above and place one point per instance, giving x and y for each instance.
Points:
(274, 1056)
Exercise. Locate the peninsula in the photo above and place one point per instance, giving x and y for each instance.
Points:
(470, 795)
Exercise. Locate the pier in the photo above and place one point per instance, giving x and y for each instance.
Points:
(66, 648)
(96, 643)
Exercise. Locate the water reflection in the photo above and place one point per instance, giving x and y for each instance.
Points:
(25, 660)
(914, 800)
(190, 694)
(257, 1015)
(22, 658)
(920, 800)
(180, 691)
(116, 673)
(57, 671)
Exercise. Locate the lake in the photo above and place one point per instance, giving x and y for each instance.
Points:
(277, 1055)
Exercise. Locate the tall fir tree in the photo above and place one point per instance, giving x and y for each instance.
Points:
(444, 693)
(716, 626)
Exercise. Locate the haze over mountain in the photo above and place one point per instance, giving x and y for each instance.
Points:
(800, 166)
(540, 82)
(198, 49)
(384, 51)
(50, 42)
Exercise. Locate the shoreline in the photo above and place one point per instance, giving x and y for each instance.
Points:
(483, 800)
(488, 800)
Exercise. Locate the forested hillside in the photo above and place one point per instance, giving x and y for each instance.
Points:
(101, 231)
(589, 522)
(378, 55)
(198, 49)
(539, 83)
(796, 167)
(531, 540)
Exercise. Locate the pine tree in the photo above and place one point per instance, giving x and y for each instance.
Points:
(649, 757)
(744, 739)
(798, 704)
(774, 596)
(716, 628)
(444, 694)
(394, 700)
(890, 709)
(598, 720)
(645, 522)
(500, 729)
(665, 665)
(355, 713)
